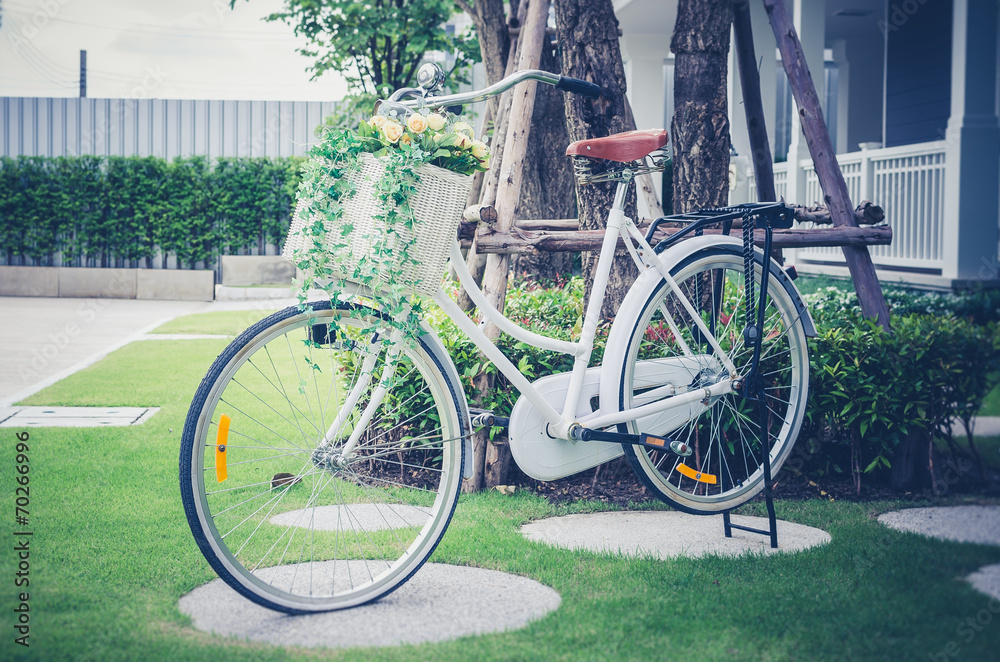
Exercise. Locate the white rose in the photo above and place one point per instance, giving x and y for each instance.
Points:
(435, 121)
(479, 149)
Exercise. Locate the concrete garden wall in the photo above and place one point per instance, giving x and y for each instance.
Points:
(82, 282)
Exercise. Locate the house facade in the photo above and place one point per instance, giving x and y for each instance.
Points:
(911, 96)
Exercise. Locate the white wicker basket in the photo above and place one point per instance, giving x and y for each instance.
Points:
(437, 207)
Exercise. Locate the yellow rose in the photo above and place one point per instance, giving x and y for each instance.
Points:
(463, 141)
(435, 121)
(462, 127)
(393, 131)
(479, 149)
(485, 164)
(406, 139)
(417, 124)
(378, 121)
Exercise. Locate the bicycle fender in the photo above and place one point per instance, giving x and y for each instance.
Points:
(635, 299)
(436, 347)
(675, 254)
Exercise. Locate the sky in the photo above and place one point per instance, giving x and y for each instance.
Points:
(174, 49)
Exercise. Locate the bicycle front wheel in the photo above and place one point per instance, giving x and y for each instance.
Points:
(281, 512)
(665, 347)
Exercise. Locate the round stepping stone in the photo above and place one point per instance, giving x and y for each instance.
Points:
(665, 534)
(355, 517)
(976, 524)
(986, 580)
(439, 603)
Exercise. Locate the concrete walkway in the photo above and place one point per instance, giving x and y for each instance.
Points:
(47, 339)
(74, 417)
(975, 524)
(665, 534)
(439, 603)
(969, 524)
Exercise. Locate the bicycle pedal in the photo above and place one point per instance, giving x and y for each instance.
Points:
(482, 418)
(675, 446)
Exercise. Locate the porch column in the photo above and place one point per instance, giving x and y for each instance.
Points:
(972, 152)
(809, 17)
(644, 56)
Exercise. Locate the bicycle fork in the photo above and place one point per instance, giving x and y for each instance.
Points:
(360, 388)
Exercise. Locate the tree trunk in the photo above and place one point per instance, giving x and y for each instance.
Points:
(587, 31)
(492, 30)
(700, 126)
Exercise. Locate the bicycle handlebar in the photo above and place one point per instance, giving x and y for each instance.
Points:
(564, 83)
(577, 86)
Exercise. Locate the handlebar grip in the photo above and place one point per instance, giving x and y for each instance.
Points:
(577, 86)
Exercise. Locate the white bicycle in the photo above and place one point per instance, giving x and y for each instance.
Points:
(331, 495)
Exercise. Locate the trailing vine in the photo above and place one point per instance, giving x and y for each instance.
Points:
(385, 159)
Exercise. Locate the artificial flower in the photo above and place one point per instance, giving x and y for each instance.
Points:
(436, 121)
(417, 124)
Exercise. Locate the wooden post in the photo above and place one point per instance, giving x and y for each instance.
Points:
(824, 158)
(753, 107)
(511, 168)
(475, 261)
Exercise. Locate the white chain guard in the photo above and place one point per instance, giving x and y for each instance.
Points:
(539, 455)
(544, 458)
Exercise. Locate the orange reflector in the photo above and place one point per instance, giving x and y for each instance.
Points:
(696, 475)
(220, 448)
(653, 441)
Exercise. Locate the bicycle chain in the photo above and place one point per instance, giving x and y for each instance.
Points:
(751, 299)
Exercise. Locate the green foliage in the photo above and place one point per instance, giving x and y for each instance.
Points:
(555, 311)
(376, 45)
(869, 389)
(39, 200)
(330, 256)
(980, 306)
(115, 210)
(257, 195)
(188, 228)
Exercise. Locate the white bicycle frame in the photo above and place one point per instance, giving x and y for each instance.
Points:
(562, 423)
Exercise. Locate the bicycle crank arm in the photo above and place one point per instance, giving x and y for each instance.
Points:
(483, 418)
(675, 446)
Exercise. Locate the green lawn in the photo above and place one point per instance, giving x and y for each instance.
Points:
(991, 404)
(112, 553)
(229, 323)
(811, 283)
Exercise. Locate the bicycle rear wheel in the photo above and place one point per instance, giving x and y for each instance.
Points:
(726, 466)
(281, 515)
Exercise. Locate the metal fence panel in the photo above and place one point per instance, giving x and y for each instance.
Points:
(46, 126)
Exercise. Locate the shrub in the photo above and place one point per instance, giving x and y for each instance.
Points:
(112, 211)
(981, 306)
(870, 389)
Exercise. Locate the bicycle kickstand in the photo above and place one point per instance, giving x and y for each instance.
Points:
(753, 333)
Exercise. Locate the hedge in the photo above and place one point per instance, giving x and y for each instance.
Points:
(124, 211)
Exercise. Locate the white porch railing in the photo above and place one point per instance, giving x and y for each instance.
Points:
(907, 182)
